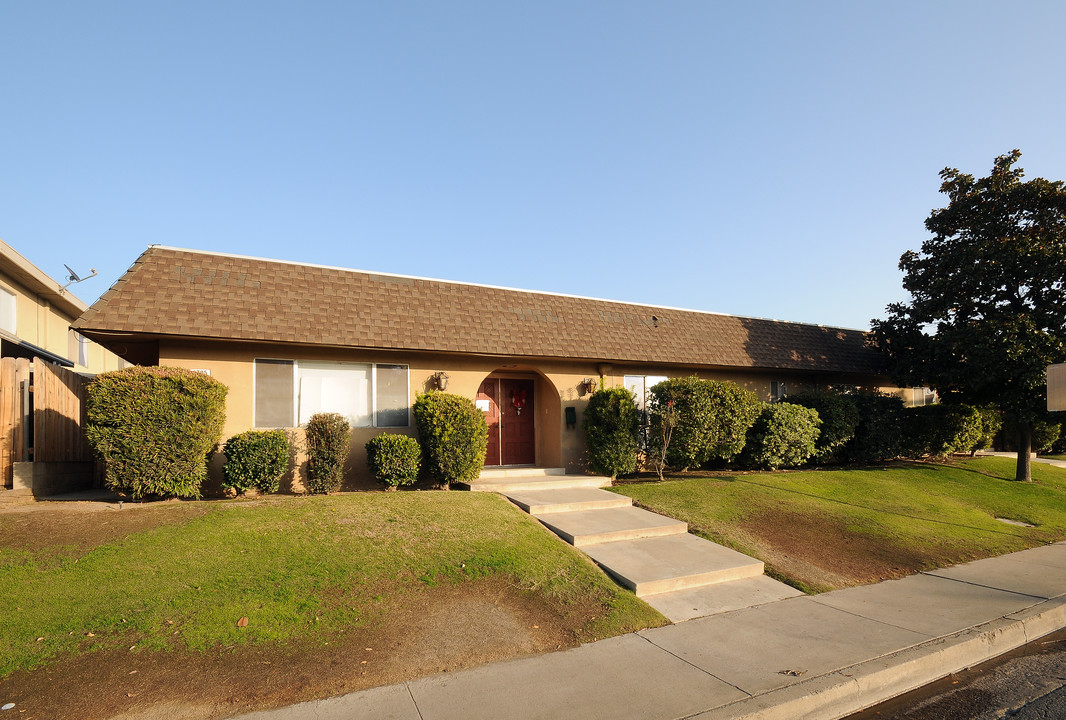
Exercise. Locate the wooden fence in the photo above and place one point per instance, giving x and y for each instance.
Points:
(14, 415)
(41, 414)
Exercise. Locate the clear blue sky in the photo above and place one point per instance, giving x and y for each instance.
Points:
(769, 159)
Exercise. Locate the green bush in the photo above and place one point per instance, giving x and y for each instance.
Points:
(712, 420)
(454, 437)
(940, 430)
(328, 440)
(393, 459)
(879, 434)
(839, 416)
(256, 458)
(784, 435)
(990, 420)
(1045, 433)
(612, 426)
(154, 427)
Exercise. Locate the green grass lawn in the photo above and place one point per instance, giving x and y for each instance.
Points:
(891, 520)
(298, 568)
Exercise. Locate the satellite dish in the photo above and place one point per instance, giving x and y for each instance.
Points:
(74, 277)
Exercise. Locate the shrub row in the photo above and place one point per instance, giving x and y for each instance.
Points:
(696, 422)
(155, 429)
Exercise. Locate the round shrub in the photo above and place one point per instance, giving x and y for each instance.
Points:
(879, 434)
(712, 420)
(784, 435)
(328, 439)
(454, 437)
(612, 423)
(940, 430)
(256, 458)
(154, 427)
(393, 459)
(839, 417)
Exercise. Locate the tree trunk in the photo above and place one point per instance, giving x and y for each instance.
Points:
(1024, 473)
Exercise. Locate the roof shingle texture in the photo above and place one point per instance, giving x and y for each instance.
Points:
(195, 294)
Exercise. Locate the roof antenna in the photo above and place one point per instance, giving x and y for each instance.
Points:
(74, 278)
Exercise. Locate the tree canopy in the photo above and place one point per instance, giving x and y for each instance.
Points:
(987, 309)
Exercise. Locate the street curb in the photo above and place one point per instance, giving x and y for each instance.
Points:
(860, 686)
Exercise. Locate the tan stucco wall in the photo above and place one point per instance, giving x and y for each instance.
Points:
(557, 384)
(38, 322)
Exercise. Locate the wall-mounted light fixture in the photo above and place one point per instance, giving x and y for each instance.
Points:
(587, 386)
(439, 380)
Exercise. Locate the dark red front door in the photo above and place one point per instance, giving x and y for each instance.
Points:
(508, 407)
(488, 399)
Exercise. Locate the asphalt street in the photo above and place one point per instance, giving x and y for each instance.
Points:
(1026, 684)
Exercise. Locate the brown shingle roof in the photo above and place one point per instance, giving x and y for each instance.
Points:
(190, 293)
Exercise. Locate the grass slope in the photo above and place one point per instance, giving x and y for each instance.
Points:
(299, 569)
(821, 530)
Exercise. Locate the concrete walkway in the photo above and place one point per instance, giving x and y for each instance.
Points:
(806, 657)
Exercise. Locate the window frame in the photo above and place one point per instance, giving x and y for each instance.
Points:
(11, 314)
(295, 418)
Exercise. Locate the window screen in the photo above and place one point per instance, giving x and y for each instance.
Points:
(273, 393)
(392, 396)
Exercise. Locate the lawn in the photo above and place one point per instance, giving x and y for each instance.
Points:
(187, 584)
(822, 530)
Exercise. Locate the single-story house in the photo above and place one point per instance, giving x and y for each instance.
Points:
(291, 339)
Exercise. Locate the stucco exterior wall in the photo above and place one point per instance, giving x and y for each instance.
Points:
(558, 385)
(40, 323)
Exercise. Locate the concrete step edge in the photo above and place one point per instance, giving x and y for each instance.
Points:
(639, 533)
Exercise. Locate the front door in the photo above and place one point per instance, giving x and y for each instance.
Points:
(508, 407)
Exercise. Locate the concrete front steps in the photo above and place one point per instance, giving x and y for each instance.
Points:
(513, 479)
(680, 575)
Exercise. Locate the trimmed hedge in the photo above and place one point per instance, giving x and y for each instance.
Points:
(612, 426)
(940, 430)
(839, 416)
(712, 420)
(328, 440)
(256, 458)
(784, 435)
(990, 420)
(879, 434)
(154, 428)
(454, 437)
(393, 459)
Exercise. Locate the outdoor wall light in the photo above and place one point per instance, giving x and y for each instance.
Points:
(440, 380)
(588, 386)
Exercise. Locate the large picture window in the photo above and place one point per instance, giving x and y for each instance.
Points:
(288, 393)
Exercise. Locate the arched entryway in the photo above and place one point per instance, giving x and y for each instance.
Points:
(521, 410)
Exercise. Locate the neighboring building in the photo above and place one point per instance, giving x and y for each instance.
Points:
(35, 317)
(290, 340)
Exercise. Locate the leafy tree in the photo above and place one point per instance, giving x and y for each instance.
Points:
(987, 312)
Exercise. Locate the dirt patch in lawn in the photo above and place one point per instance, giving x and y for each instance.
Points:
(825, 554)
(84, 525)
(427, 630)
(437, 629)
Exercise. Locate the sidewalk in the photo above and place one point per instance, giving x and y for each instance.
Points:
(822, 656)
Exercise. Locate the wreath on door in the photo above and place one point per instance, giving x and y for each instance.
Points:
(518, 400)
